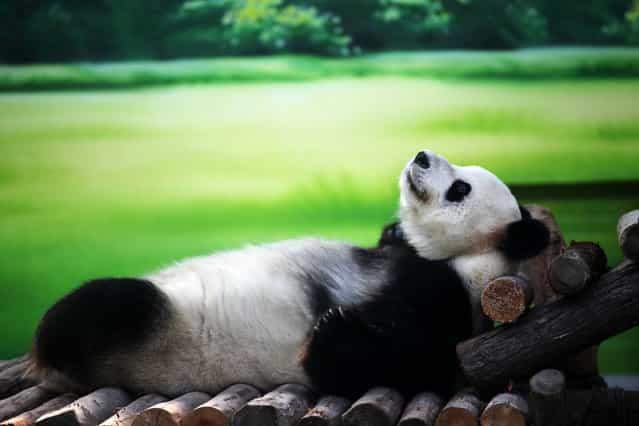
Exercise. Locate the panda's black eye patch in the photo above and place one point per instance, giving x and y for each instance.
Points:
(458, 190)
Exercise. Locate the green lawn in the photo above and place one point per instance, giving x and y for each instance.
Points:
(528, 64)
(120, 182)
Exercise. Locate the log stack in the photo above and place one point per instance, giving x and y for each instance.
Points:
(512, 369)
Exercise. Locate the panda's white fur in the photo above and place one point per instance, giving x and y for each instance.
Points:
(244, 315)
(248, 311)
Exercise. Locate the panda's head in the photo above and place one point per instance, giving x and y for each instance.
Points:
(448, 211)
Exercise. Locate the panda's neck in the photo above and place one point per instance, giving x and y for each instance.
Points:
(476, 270)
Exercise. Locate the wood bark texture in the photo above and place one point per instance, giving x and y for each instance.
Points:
(422, 410)
(219, 410)
(327, 412)
(282, 407)
(379, 406)
(553, 331)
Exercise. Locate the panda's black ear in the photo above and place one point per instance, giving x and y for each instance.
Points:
(525, 238)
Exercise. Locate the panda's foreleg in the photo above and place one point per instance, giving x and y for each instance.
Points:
(343, 351)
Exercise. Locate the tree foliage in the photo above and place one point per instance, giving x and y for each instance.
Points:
(71, 30)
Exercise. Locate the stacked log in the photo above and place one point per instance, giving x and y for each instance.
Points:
(628, 235)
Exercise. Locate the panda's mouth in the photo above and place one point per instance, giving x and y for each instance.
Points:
(419, 193)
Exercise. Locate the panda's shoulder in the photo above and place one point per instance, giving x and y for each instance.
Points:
(415, 278)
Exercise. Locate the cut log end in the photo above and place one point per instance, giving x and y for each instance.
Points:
(503, 415)
(569, 274)
(206, 416)
(505, 298)
(628, 235)
(463, 409)
(580, 264)
(548, 383)
(456, 416)
(327, 412)
(506, 409)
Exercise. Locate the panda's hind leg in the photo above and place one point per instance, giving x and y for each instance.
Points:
(100, 318)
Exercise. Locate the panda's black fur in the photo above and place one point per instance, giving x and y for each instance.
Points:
(103, 316)
(404, 338)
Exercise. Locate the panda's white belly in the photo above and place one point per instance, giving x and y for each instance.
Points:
(246, 312)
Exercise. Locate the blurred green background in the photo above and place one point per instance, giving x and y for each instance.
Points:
(128, 142)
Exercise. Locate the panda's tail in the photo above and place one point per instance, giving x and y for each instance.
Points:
(105, 316)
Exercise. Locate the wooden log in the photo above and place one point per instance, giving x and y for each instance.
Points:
(125, 415)
(327, 412)
(6, 363)
(380, 406)
(283, 406)
(547, 397)
(13, 378)
(628, 234)
(170, 413)
(583, 364)
(506, 298)
(463, 409)
(88, 410)
(23, 401)
(506, 409)
(550, 332)
(536, 269)
(580, 264)
(29, 418)
(422, 410)
(219, 410)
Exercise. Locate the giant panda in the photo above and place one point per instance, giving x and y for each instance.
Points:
(327, 314)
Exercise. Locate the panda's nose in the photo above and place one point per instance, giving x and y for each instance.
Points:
(421, 159)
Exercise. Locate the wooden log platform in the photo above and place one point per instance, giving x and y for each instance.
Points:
(549, 401)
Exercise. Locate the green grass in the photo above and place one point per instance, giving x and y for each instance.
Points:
(529, 64)
(121, 182)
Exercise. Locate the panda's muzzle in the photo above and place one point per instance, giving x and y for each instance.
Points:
(422, 160)
(419, 193)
